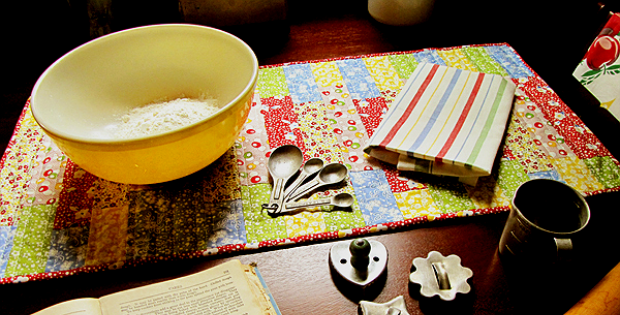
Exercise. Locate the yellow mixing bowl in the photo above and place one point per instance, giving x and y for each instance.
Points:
(78, 100)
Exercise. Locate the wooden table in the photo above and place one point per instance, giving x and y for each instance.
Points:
(300, 277)
(301, 282)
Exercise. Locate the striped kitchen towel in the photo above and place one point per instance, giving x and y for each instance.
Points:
(445, 121)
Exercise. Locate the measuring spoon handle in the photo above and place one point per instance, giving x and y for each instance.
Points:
(304, 189)
(308, 204)
(276, 200)
(293, 187)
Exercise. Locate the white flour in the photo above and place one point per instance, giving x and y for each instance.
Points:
(160, 117)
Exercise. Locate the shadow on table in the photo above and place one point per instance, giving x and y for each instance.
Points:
(356, 293)
(462, 303)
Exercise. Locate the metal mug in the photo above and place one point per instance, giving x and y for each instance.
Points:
(539, 229)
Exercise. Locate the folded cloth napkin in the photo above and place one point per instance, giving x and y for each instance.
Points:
(445, 121)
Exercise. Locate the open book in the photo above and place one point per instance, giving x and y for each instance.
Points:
(230, 288)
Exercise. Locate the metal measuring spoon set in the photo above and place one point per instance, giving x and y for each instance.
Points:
(287, 161)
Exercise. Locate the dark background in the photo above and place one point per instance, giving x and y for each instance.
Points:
(552, 36)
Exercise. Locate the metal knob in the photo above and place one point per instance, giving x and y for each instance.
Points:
(360, 249)
(360, 262)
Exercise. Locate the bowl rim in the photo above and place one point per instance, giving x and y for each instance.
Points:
(146, 140)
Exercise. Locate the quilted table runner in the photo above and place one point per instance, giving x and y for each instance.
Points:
(57, 219)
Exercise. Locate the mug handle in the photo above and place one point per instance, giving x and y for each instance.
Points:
(563, 246)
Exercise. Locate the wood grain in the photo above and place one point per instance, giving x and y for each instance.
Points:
(300, 278)
(604, 298)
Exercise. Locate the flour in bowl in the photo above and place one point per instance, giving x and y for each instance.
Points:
(160, 117)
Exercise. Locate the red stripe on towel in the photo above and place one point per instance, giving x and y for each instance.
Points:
(412, 104)
(461, 121)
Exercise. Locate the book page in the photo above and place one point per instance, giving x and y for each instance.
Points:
(86, 306)
(223, 289)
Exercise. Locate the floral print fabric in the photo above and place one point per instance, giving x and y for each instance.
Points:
(57, 219)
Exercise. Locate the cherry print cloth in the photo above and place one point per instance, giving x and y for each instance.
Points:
(599, 71)
(57, 220)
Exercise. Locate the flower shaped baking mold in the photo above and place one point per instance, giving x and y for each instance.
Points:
(439, 275)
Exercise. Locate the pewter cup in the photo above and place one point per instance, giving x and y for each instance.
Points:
(544, 217)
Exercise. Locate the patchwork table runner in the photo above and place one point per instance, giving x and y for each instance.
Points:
(57, 219)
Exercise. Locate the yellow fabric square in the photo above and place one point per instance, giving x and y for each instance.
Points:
(577, 174)
(326, 73)
(457, 59)
(416, 203)
(304, 223)
(385, 76)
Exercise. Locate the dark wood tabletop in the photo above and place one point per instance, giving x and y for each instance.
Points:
(547, 37)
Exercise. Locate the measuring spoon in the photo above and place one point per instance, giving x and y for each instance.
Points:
(341, 200)
(331, 173)
(283, 163)
(311, 167)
